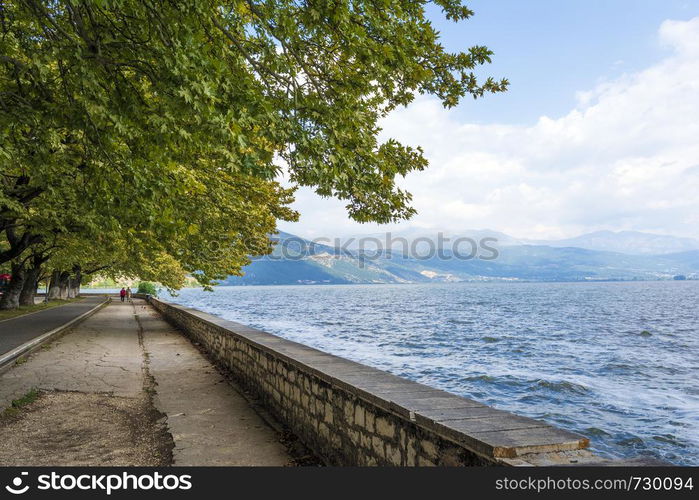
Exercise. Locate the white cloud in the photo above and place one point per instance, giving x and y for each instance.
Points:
(627, 157)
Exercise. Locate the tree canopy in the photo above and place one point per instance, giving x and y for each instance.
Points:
(145, 137)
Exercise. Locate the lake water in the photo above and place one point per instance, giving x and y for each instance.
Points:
(618, 362)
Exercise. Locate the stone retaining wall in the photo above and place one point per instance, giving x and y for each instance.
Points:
(352, 414)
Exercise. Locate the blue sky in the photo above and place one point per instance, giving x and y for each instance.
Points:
(549, 49)
(597, 132)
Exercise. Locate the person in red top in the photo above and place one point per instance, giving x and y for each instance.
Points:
(122, 294)
(4, 281)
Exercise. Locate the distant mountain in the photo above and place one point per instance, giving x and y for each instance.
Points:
(396, 240)
(629, 242)
(299, 261)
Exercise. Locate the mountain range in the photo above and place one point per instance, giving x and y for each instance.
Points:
(601, 256)
(629, 242)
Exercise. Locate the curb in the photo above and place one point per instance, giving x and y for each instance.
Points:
(7, 360)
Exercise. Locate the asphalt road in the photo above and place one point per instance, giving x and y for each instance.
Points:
(16, 331)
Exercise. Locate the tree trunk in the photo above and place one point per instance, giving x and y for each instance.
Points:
(31, 281)
(10, 299)
(63, 285)
(72, 289)
(54, 287)
(75, 281)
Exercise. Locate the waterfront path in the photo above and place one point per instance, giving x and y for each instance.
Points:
(16, 331)
(125, 388)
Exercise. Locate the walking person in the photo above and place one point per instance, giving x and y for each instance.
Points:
(122, 294)
(128, 293)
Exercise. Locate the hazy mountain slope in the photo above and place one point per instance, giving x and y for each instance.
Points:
(629, 242)
(297, 261)
(283, 272)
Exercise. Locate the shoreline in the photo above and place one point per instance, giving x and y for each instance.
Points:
(483, 282)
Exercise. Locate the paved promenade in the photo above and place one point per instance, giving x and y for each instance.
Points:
(124, 388)
(16, 331)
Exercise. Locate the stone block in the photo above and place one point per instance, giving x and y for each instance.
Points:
(369, 420)
(393, 455)
(365, 440)
(385, 428)
(411, 453)
(359, 416)
(377, 446)
(429, 449)
(329, 413)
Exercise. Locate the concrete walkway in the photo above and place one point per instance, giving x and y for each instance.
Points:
(127, 351)
(16, 331)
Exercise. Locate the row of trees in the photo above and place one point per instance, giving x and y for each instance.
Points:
(143, 137)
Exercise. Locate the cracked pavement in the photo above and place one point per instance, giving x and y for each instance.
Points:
(126, 350)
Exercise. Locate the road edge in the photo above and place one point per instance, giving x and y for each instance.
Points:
(8, 359)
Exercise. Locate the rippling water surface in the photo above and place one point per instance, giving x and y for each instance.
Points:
(618, 362)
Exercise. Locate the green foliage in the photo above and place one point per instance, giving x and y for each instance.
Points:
(145, 136)
(29, 309)
(99, 282)
(17, 404)
(147, 287)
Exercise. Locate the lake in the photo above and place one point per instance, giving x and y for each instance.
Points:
(617, 362)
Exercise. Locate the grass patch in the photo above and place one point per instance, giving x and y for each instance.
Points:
(19, 403)
(13, 313)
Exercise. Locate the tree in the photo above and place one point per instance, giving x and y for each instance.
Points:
(138, 119)
(147, 287)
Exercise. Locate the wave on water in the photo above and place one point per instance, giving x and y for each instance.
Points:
(615, 361)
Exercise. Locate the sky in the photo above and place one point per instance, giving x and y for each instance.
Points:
(599, 130)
